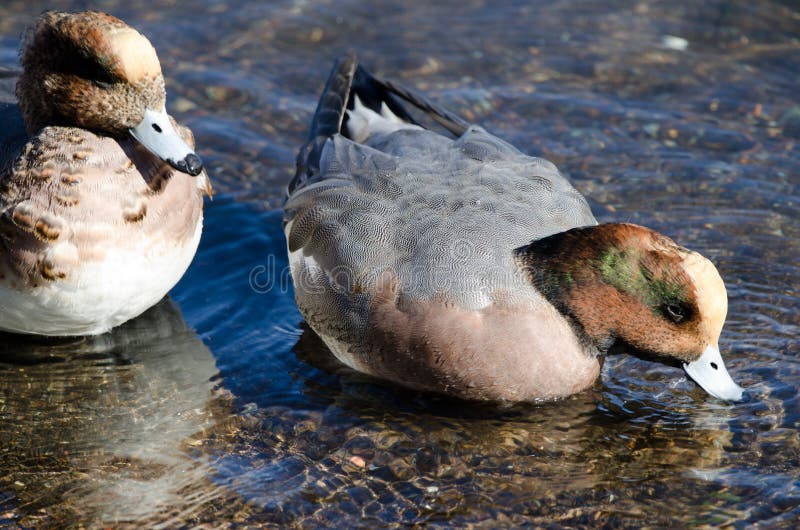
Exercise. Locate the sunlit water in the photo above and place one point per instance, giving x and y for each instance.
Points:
(219, 408)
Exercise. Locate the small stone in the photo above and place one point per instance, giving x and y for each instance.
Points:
(316, 35)
(671, 42)
(652, 129)
(183, 105)
(358, 461)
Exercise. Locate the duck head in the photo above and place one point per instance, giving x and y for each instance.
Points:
(624, 285)
(93, 71)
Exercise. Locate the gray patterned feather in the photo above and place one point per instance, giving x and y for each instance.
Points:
(442, 214)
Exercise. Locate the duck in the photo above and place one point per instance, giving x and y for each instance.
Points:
(429, 253)
(101, 191)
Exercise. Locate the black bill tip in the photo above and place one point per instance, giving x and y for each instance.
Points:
(191, 164)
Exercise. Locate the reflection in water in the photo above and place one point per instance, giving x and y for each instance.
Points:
(354, 449)
(96, 429)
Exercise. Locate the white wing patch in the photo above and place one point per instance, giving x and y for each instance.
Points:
(364, 122)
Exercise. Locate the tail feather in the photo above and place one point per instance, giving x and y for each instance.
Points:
(347, 83)
(442, 116)
(373, 94)
(327, 120)
(332, 104)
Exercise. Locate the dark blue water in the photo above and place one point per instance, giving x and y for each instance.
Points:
(220, 408)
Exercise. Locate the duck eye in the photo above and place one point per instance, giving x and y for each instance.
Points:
(92, 70)
(674, 312)
(156, 127)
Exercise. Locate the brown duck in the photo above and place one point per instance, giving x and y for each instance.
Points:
(101, 193)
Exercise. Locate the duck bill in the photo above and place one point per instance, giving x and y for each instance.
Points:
(710, 373)
(156, 133)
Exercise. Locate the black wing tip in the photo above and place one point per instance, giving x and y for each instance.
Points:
(327, 120)
(332, 104)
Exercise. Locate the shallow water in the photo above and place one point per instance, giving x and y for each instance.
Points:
(219, 409)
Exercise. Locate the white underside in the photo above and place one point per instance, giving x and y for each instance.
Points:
(305, 270)
(99, 295)
(341, 351)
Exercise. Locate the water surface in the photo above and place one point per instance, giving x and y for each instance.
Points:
(219, 408)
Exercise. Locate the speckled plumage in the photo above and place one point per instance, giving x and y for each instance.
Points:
(71, 187)
(437, 211)
(94, 229)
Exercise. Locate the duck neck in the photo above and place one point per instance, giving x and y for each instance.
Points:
(565, 269)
